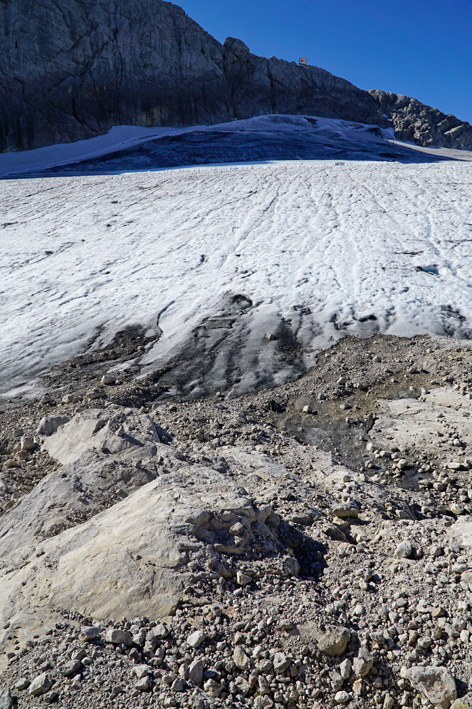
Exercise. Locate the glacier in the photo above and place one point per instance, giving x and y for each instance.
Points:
(295, 233)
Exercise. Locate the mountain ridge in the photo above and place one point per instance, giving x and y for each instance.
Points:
(74, 72)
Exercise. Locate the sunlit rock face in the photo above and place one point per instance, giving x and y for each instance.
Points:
(422, 124)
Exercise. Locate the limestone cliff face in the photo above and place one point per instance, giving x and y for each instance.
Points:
(72, 70)
(422, 124)
(258, 86)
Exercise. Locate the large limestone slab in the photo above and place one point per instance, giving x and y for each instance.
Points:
(132, 559)
(419, 424)
(108, 456)
(105, 431)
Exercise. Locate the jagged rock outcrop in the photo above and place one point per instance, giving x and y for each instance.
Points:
(72, 71)
(133, 556)
(259, 86)
(422, 124)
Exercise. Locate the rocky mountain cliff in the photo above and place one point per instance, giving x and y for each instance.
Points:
(74, 70)
(422, 124)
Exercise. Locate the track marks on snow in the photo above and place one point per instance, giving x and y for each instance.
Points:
(322, 245)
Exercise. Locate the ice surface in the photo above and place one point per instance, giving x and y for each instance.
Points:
(127, 148)
(216, 256)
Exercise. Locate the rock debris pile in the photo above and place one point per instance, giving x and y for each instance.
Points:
(306, 547)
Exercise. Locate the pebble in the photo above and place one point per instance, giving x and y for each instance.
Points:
(333, 640)
(195, 672)
(142, 671)
(281, 662)
(40, 685)
(342, 697)
(196, 639)
(28, 444)
(346, 511)
(22, 683)
(143, 684)
(240, 658)
(158, 632)
(118, 637)
(345, 668)
(243, 579)
(404, 550)
(89, 633)
(71, 668)
(178, 685)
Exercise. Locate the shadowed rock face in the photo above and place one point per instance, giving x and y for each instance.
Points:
(73, 70)
(259, 86)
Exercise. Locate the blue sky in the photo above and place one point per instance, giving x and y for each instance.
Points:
(419, 48)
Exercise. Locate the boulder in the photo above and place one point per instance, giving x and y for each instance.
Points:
(331, 640)
(436, 683)
(131, 559)
(102, 468)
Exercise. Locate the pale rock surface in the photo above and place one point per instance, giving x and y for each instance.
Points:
(436, 683)
(102, 467)
(103, 431)
(134, 555)
(417, 423)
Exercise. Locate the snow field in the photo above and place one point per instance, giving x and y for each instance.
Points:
(331, 248)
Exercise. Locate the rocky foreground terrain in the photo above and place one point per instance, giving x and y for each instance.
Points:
(70, 71)
(303, 547)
